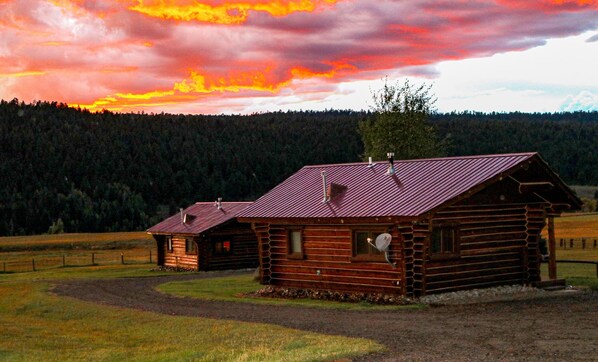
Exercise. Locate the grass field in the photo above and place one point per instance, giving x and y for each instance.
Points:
(583, 275)
(97, 240)
(573, 226)
(22, 253)
(37, 325)
(231, 289)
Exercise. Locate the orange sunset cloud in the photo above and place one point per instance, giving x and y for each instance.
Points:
(218, 56)
(224, 13)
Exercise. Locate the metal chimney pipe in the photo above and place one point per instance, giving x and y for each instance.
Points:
(371, 163)
(324, 186)
(391, 164)
(182, 217)
(219, 203)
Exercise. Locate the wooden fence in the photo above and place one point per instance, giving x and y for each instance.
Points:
(74, 260)
(581, 243)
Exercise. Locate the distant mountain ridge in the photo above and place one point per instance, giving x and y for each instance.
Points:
(110, 172)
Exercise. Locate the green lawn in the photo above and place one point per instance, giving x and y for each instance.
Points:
(37, 325)
(231, 289)
(581, 275)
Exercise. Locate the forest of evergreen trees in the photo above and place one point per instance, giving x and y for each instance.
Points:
(81, 171)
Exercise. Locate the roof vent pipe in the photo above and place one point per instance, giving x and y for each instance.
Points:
(182, 217)
(370, 163)
(391, 164)
(219, 203)
(324, 187)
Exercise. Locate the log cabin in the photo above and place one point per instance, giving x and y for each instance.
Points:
(451, 224)
(206, 236)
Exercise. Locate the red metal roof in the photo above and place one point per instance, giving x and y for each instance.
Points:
(204, 216)
(418, 186)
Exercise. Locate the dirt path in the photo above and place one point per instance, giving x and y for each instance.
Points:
(557, 327)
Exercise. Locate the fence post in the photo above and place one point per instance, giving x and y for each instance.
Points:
(571, 243)
(583, 243)
(4, 268)
(33, 264)
(561, 242)
(595, 243)
(93, 258)
(150, 255)
(63, 261)
(122, 258)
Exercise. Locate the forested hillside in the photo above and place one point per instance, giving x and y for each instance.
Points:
(112, 172)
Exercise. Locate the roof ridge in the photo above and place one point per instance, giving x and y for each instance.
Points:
(427, 159)
(224, 202)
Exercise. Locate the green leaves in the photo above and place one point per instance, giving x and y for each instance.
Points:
(399, 123)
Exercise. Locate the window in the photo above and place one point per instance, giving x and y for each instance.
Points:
(444, 242)
(190, 247)
(222, 248)
(362, 250)
(169, 243)
(295, 244)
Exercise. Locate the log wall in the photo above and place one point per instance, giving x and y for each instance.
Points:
(414, 236)
(178, 258)
(327, 260)
(498, 246)
(243, 245)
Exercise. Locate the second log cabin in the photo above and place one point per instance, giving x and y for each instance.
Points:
(206, 236)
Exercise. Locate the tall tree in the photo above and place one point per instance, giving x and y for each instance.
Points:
(399, 123)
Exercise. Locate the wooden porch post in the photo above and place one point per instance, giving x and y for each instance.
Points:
(551, 249)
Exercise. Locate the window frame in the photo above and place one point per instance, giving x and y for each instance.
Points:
(169, 244)
(455, 252)
(193, 250)
(222, 251)
(295, 254)
(378, 256)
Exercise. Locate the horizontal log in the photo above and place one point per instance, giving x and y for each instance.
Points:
(384, 271)
(343, 287)
(323, 252)
(328, 234)
(492, 228)
(504, 278)
(464, 266)
(277, 258)
(328, 245)
(489, 251)
(387, 280)
(458, 276)
(474, 245)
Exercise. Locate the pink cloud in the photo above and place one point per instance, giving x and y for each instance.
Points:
(82, 51)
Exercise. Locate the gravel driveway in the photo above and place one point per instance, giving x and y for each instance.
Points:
(551, 326)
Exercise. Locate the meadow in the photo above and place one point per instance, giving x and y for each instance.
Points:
(37, 252)
(38, 325)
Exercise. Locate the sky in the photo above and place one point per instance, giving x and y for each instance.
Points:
(248, 56)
